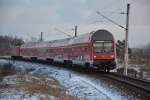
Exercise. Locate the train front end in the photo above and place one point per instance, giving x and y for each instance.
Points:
(103, 50)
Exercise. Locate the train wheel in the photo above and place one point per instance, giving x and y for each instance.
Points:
(108, 70)
(69, 63)
(65, 63)
(87, 65)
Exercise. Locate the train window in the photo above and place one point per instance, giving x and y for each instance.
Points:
(98, 45)
(108, 47)
(108, 44)
(103, 47)
(85, 50)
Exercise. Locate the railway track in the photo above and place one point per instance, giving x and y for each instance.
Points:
(143, 85)
(138, 83)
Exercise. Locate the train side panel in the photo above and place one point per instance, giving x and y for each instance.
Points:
(79, 50)
(80, 54)
(15, 51)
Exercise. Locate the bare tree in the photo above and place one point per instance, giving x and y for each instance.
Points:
(6, 42)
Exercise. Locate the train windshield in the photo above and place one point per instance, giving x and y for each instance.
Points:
(103, 47)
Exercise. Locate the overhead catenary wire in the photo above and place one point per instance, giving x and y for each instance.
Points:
(111, 13)
(99, 13)
(63, 32)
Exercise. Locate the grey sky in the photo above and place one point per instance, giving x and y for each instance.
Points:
(27, 18)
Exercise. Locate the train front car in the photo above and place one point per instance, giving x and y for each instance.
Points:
(103, 50)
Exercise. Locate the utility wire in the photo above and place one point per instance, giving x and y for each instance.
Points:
(116, 11)
(63, 32)
(110, 20)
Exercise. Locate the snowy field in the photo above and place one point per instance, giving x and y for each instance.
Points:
(78, 85)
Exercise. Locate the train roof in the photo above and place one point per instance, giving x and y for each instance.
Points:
(84, 38)
(35, 44)
(102, 35)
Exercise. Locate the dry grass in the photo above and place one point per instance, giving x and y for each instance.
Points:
(9, 69)
(34, 84)
(131, 72)
(43, 85)
(6, 69)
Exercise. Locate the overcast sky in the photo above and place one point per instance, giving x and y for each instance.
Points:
(27, 18)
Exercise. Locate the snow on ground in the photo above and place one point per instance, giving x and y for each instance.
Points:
(82, 86)
(13, 94)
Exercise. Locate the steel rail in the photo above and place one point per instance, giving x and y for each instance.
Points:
(138, 83)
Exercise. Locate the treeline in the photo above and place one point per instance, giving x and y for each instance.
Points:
(6, 42)
(141, 56)
(120, 47)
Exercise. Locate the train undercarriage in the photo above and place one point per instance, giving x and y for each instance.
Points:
(102, 65)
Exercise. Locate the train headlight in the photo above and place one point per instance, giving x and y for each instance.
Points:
(94, 56)
(112, 56)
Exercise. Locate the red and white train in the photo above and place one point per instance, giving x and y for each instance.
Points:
(95, 49)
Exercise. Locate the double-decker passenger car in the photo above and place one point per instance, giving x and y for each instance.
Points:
(95, 49)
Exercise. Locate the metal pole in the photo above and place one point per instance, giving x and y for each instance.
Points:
(41, 37)
(126, 41)
(76, 31)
